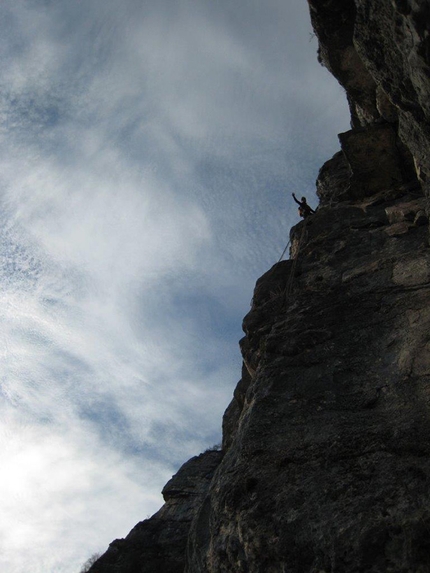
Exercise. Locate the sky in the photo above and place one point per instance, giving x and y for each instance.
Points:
(149, 152)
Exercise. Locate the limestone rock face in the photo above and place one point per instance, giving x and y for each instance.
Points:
(326, 444)
(330, 467)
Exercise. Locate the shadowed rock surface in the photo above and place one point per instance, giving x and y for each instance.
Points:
(326, 443)
(159, 543)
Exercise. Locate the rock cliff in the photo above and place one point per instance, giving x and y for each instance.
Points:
(325, 464)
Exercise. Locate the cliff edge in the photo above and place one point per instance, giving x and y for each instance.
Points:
(325, 463)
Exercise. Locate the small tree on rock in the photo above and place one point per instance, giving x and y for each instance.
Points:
(90, 561)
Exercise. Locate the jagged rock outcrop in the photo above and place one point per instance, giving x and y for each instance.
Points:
(326, 443)
(379, 50)
(159, 544)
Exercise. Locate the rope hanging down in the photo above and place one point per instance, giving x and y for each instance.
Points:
(283, 252)
(289, 287)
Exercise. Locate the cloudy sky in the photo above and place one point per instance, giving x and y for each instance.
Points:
(149, 149)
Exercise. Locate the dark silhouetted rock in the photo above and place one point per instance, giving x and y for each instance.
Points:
(159, 544)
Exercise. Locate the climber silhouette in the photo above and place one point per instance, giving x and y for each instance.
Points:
(304, 209)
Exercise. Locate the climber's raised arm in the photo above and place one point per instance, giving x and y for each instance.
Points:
(295, 199)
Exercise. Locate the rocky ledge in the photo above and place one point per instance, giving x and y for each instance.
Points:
(325, 465)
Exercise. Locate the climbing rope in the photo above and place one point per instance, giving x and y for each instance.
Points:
(289, 287)
(283, 252)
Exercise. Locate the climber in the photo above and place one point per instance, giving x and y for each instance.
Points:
(304, 209)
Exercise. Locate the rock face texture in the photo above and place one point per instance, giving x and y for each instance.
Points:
(326, 444)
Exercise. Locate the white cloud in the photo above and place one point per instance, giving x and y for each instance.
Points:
(61, 481)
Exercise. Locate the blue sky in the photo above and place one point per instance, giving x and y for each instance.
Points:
(149, 149)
